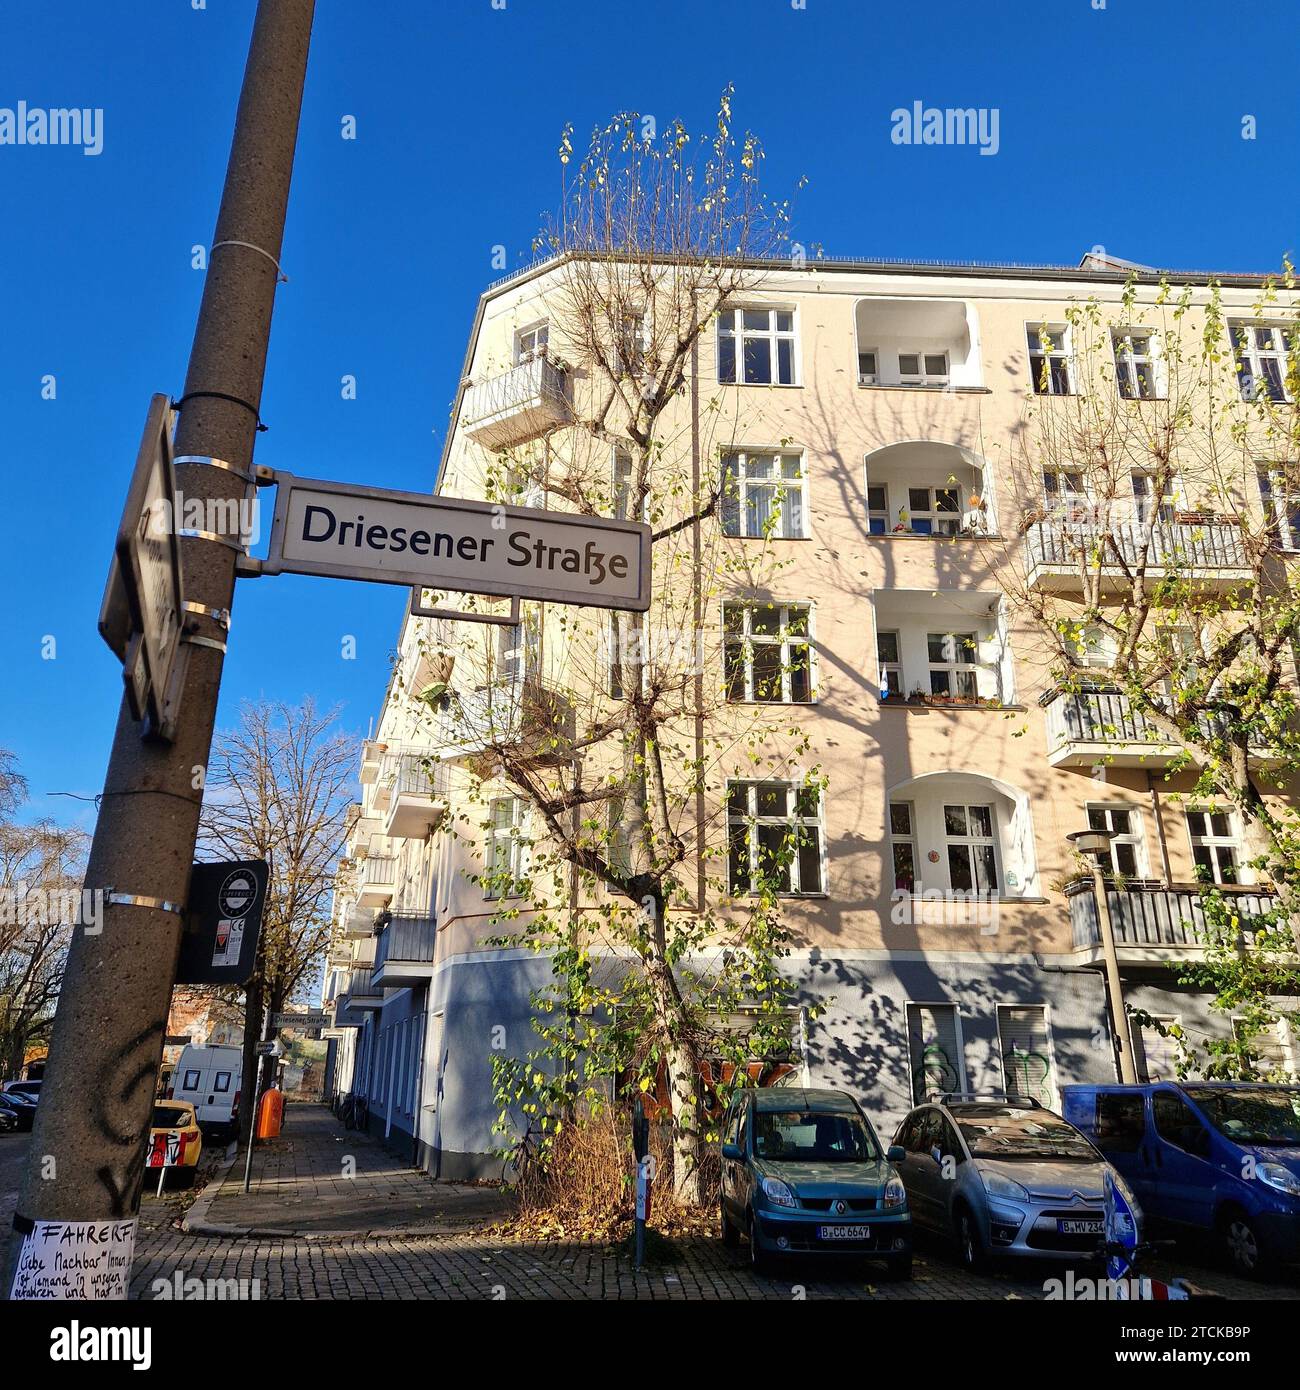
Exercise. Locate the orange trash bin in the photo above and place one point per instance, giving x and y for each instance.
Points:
(270, 1114)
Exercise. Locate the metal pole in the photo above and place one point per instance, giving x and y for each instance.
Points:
(87, 1153)
(257, 1094)
(1114, 988)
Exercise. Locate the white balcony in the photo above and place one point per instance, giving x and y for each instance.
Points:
(372, 755)
(376, 881)
(517, 406)
(356, 923)
(415, 802)
(946, 648)
(924, 489)
(1087, 539)
(362, 832)
(918, 344)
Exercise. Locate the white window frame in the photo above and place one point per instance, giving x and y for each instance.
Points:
(1139, 370)
(787, 492)
(924, 376)
(532, 341)
(620, 471)
(750, 820)
(1250, 357)
(896, 838)
(518, 651)
(731, 325)
(942, 522)
(505, 839)
(1281, 507)
(871, 378)
(1168, 1021)
(1050, 341)
(1213, 841)
(970, 842)
(1060, 494)
(1133, 837)
(886, 668)
(1144, 497)
(746, 638)
(954, 665)
(1282, 1039)
(880, 513)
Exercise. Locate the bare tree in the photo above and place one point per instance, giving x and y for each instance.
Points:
(278, 788)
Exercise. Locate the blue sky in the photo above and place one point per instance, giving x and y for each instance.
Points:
(1119, 126)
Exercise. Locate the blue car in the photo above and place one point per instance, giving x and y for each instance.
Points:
(1202, 1156)
(804, 1173)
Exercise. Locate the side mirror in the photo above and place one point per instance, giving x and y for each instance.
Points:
(732, 1153)
(936, 1153)
(897, 1153)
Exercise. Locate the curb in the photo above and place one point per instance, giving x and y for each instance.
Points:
(193, 1218)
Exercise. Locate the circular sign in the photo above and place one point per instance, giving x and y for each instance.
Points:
(237, 894)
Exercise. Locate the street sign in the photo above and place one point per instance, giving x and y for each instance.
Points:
(141, 613)
(223, 920)
(313, 1018)
(274, 1048)
(347, 531)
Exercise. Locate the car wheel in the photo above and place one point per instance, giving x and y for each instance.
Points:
(899, 1267)
(759, 1260)
(1242, 1246)
(969, 1245)
(730, 1235)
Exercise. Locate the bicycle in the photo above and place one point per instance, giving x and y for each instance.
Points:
(354, 1111)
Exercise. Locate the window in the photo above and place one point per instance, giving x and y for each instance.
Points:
(868, 369)
(530, 343)
(1271, 1048)
(756, 347)
(934, 511)
(923, 368)
(1049, 358)
(902, 842)
(1214, 845)
(1092, 648)
(890, 665)
(768, 652)
(621, 468)
(934, 1043)
(1176, 1123)
(517, 651)
(1159, 1051)
(764, 495)
(1281, 498)
(1261, 351)
(1148, 501)
(191, 1082)
(1026, 1047)
(1119, 1124)
(1126, 858)
(774, 833)
(619, 833)
(952, 657)
(508, 853)
(633, 344)
(1135, 364)
(972, 850)
(877, 510)
(222, 1083)
(1063, 489)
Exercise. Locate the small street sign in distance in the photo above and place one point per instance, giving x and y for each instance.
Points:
(346, 531)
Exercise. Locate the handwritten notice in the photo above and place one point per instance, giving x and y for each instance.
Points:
(75, 1260)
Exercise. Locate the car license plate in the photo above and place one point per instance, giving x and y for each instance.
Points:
(843, 1233)
(1081, 1226)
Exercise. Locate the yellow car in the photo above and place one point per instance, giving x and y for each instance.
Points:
(174, 1141)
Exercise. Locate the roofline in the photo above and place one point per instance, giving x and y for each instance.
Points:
(988, 270)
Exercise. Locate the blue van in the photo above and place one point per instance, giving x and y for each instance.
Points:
(1204, 1156)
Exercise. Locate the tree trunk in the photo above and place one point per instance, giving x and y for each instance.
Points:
(682, 1069)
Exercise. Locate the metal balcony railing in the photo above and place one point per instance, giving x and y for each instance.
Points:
(1067, 541)
(1094, 716)
(1144, 915)
(407, 937)
(517, 405)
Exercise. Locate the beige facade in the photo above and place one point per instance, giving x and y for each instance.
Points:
(911, 515)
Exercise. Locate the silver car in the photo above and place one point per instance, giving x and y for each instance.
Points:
(1004, 1178)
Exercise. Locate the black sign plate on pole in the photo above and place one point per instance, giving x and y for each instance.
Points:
(223, 921)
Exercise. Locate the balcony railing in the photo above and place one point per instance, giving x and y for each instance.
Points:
(405, 951)
(1145, 916)
(413, 789)
(518, 405)
(1062, 547)
(535, 720)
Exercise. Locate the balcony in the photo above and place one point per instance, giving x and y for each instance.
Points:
(1151, 924)
(942, 648)
(923, 489)
(359, 992)
(376, 881)
(372, 756)
(1101, 726)
(414, 802)
(517, 406)
(537, 723)
(918, 344)
(363, 830)
(404, 952)
(1062, 549)
(355, 923)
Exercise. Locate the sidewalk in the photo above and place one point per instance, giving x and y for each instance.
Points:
(318, 1178)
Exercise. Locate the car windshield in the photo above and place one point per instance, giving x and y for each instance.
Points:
(1252, 1115)
(164, 1117)
(1008, 1132)
(813, 1136)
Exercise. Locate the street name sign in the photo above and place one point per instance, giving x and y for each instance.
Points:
(314, 1018)
(141, 614)
(223, 919)
(412, 538)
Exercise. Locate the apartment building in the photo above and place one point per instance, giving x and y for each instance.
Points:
(869, 424)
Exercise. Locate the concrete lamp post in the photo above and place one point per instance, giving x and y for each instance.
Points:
(1094, 845)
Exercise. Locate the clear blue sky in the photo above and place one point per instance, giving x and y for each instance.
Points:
(1119, 126)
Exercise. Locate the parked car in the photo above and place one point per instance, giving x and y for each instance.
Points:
(208, 1078)
(1004, 1178)
(804, 1173)
(1222, 1157)
(23, 1106)
(8, 1117)
(175, 1141)
(23, 1088)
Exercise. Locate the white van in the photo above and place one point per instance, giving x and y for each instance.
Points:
(208, 1078)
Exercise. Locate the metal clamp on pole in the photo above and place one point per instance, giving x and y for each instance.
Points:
(192, 533)
(116, 899)
(218, 615)
(207, 461)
